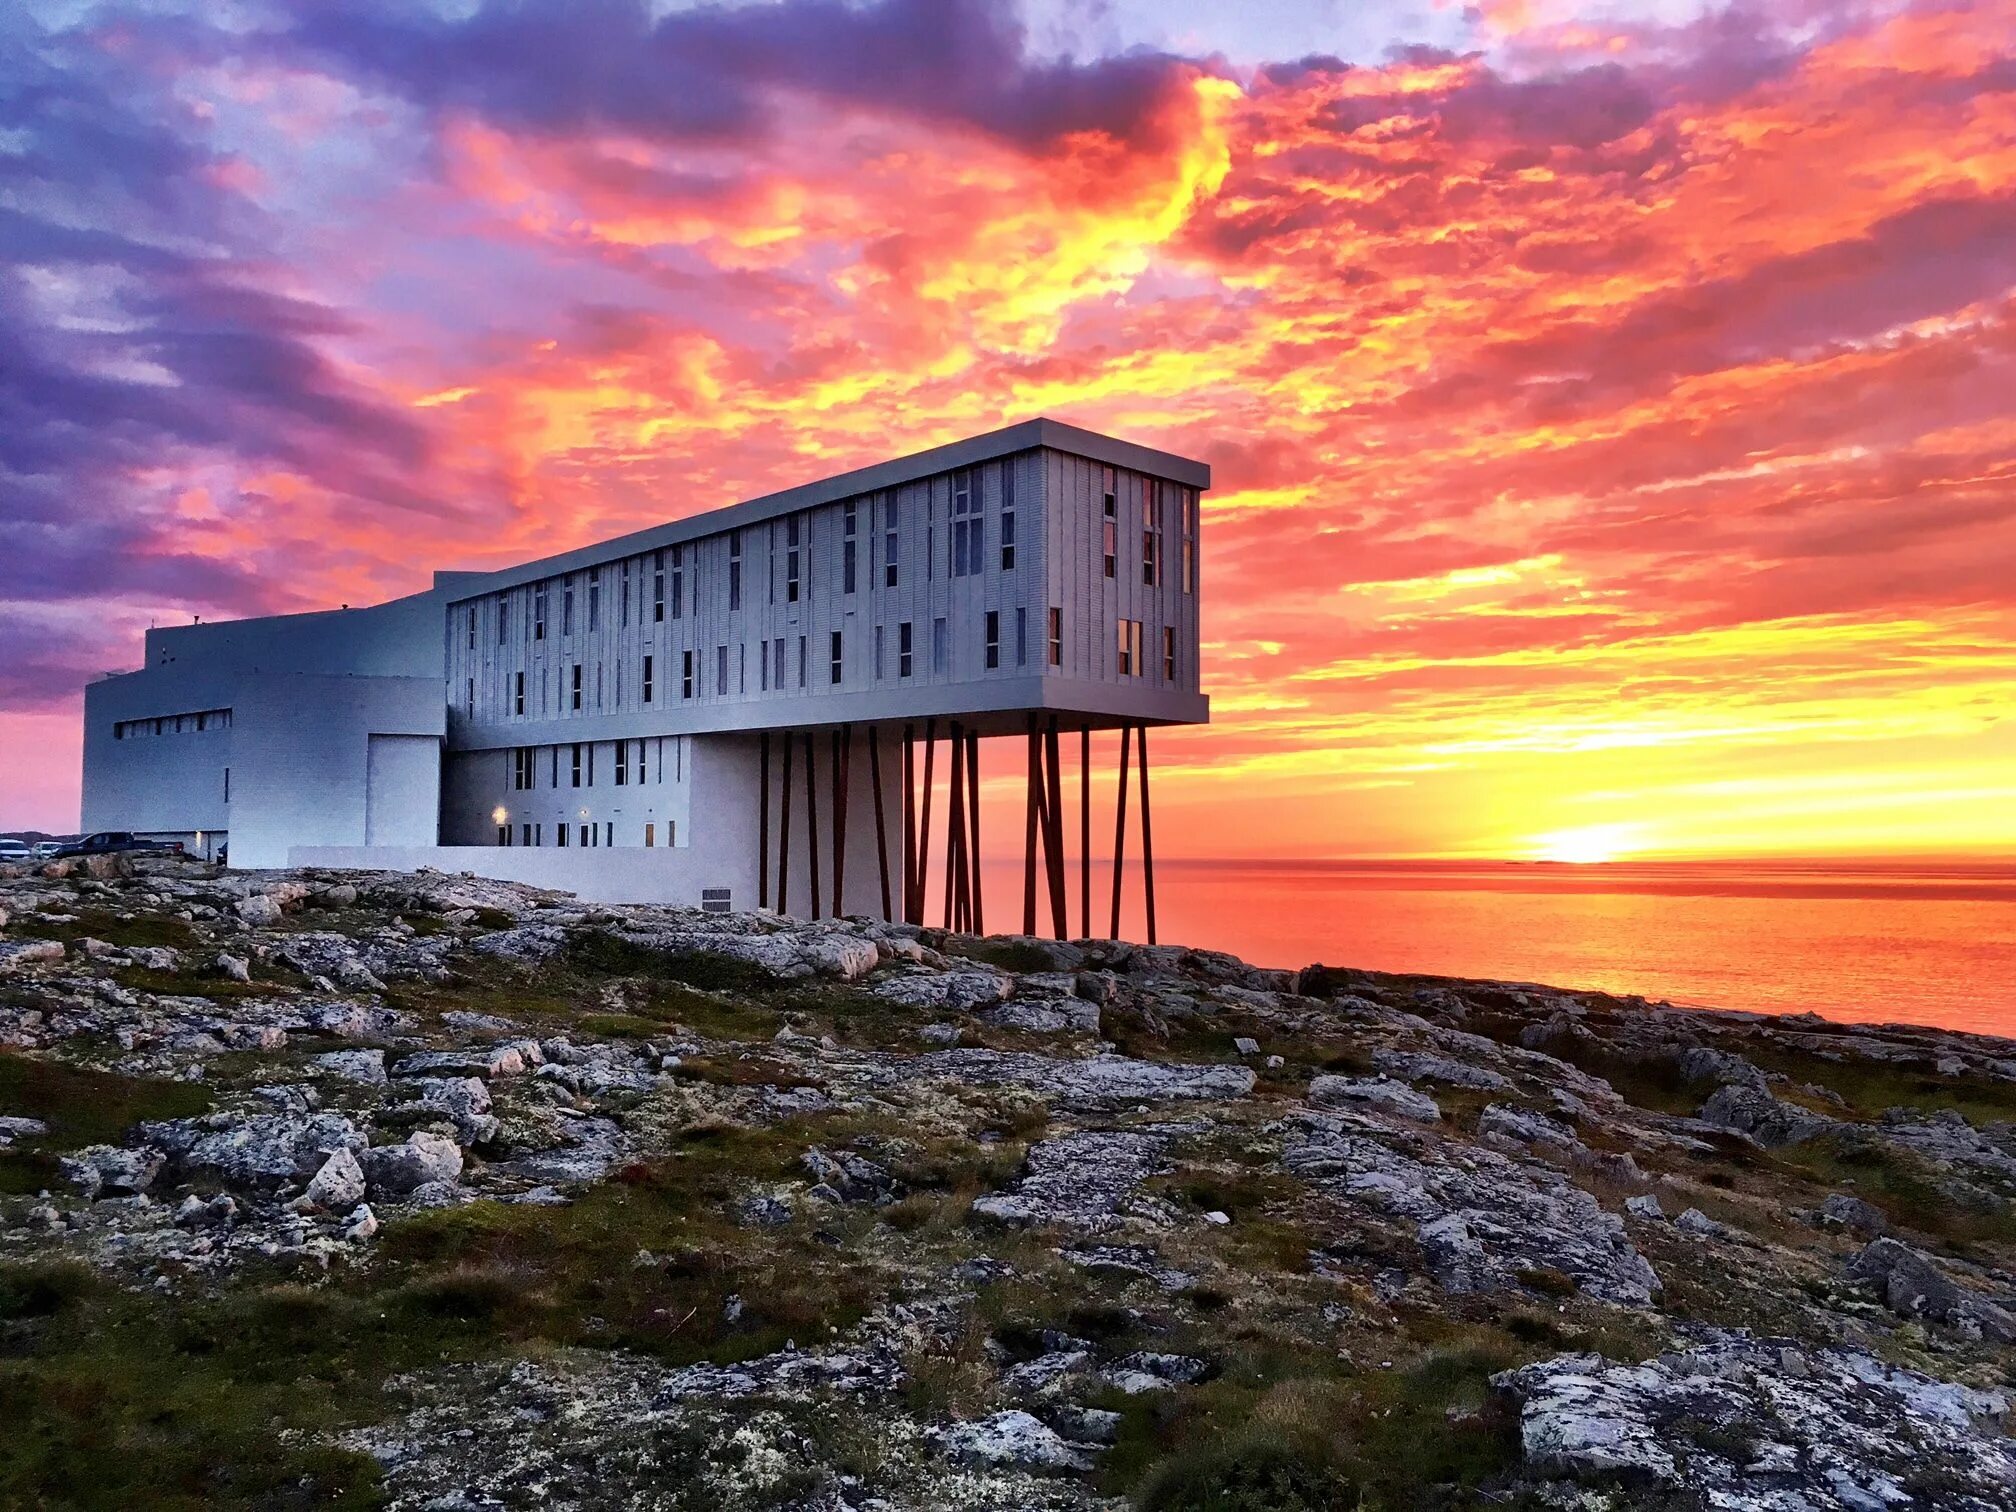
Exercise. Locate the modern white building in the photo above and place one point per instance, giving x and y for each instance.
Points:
(741, 708)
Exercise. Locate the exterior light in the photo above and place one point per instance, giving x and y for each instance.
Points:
(500, 815)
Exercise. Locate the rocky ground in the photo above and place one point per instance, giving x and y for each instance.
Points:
(426, 1191)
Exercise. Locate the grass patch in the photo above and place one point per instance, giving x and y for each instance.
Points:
(1018, 956)
(1907, 1188)
(124, 930)
(81, 1106)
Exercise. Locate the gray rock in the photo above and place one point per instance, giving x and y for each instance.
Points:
(1149, 1371)
(1845, 1211)
(110, 1171)
(1245, 1045)
(1013, 1438)
(849, 1177)
(1773, 1124)
(15, 954)
(1645, 1206)
(1102, 1082)
(261, 1150)
(486, 1062)
(1043, 1016)
(946, 991)
(13, 1130)
(339, 1184)
(202, 1212)
(1420, 1066)
(1374, 1091)
(1912, 1284)
(464, 1100)
(237, 968)
(396, 1170)
(1704, 1063)
(1083, 1180)
(365, 1066)
(1696, 1224)
(260, 911)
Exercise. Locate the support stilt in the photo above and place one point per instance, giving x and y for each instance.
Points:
(1053, 773)
(924, 834)
(1085, 830)
(812, 821)
(979, 913)
(842, 738)
(784, 835)
(1147, 840)
(909, 825)
(1120, 829)
(881, 827)
(1029, 837)
(955, 825)
(763, 823)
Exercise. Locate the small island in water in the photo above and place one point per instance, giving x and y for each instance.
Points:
(363, 1189)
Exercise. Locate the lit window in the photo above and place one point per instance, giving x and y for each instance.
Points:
(1151, 538)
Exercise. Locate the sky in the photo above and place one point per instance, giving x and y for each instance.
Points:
(1612, 408)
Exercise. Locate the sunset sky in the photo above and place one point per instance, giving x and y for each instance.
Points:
(1612, 407)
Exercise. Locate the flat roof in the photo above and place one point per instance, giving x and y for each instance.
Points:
(1029, 434)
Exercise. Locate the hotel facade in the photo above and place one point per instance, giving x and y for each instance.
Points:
(754, 706)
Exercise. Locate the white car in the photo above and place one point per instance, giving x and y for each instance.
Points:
(46, 849)
(15, 852)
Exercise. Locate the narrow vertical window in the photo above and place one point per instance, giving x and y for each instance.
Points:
(623, 609)
(647, 689)
(904, 648)
(940, 648)
(686, 676)
(576, 768)
(575, 694)
(1130, 647)
(594, 599)
(835, 657)
(503, 620)
(1151, 536)
(560, 835)
(678, 581)
(1110, 528)
(993, 639)
(793, 558)
(1021, 636)
(734, 569)
(657, 587)
(650, 834)
(539, 612)
(1056, 636)
(1008, 515)
(742, 666)
(518, 693)
(1169, 653)
(778, 657)
(503, 834)
(801, 661)
(1189, 540)
(468, 701)
(472, 627)
(720, 671)
(968, 525)
(567, 607)
(622, 763)
(850, 526)
(890, 553)
(524, 834)
(878, 653)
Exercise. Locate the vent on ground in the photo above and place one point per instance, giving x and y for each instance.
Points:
(716, 900)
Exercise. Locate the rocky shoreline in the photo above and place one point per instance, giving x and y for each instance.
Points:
(433, 1192)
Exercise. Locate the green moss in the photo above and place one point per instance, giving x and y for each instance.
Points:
(81, 1107)
(125, 930)
(1907, 1188)
(1253, 1471)
(1018, 956)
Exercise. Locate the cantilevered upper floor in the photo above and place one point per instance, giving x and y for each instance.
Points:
(1037, 569)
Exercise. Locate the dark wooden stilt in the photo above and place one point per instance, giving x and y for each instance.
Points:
(1120, 829)
(881, 827)
(812, 821)
(1085, 830)
(955, 824)
(1053, 773)
(1147, 840)
(909, 825)
(784, 835)
(924, 833)
(843, 739)
(1029, 837)
(973, 832)
(763, 824)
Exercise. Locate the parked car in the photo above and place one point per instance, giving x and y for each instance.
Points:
(109, 842)
(45, 850)
(15, 852)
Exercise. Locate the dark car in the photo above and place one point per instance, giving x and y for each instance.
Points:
(109, 842)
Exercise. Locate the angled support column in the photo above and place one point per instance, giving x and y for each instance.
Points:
(1147, 840)
(924, 834)
(1053, 776)
(909, 825)
(881, 825)
(1120, 829)
(1029, 836)
(974, 906)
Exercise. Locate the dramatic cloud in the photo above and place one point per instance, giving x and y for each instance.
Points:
(1610, 417)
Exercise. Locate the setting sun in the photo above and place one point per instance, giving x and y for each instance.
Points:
(1595, 842)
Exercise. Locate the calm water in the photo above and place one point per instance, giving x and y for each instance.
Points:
(1933, 944)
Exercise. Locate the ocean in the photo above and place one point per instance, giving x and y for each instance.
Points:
(1926, 943)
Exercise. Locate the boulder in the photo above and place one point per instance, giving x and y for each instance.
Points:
(261, 1150)
(110, 1171)
(1912, 1284)
(338, 1184)
(1374, 1091)
(396, 1170)
(1772, 1123)
(1013, 1438)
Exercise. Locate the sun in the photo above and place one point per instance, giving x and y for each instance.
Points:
(1589, 844)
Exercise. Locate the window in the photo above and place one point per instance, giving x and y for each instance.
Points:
(686, 676)
(793, 558)
(734, 572)
(969, 526)
(1112, 526)
(609, 833)
(598, 685)
(622, 763)
(1056, 636)
(1151, 537)
(1189, 506)
(594, 600)
(903, 647)
(503, 620)
(577, 765)
(878, 653)
(468, 699)
(576, 693)
(1169, 653)
(657, 587)
(720, 671)
(993, 639)
(889, 539)
(678, 581)
(567, 608)
(591, 764)
(1130, 648)
(518, 693)
(801, 661)
(1008, 516)
(560, 832)
(472, 627)
(763, 666)
(503, 834)
(556, 766)
(834, 657)
(742, 666)
(940, 651)
(623, 608)
(539, 612)
(524, 834)
(647, 680)
(584, 840)
(227, 784)
(1021, 636)
(522, 763)
(779, 659)
(849, 527)
(650, 834)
